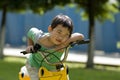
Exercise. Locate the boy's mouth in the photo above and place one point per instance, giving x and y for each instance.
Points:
(58, 40)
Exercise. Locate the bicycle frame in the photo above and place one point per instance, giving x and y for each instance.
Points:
(60, 74)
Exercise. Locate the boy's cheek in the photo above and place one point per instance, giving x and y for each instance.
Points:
(66, 42)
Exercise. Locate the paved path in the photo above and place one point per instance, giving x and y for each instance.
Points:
(73, 57)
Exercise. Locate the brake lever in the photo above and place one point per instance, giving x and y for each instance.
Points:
(36, 48)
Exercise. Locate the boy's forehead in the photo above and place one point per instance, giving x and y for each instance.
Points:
(61, 27)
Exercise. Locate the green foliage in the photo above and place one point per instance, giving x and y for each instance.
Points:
(37, 6)
(118, 45)
(13, 5)
(103, 10)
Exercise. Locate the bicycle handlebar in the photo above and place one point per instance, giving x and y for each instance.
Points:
(37, 48)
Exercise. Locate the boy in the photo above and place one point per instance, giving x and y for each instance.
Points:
(59, 35)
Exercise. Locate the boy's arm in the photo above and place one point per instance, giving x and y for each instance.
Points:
(30, 42)
(30, 45)
(75, 37)
(33, 35)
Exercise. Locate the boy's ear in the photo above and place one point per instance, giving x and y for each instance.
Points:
(49, 28)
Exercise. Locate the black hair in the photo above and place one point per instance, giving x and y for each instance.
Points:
(63, 20)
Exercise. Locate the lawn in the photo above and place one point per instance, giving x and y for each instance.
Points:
(10, 66)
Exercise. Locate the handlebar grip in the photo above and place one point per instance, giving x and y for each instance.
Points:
(79, 42)
(83, 42)
(36, 48)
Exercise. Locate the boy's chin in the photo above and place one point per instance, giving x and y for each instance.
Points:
(57, 44)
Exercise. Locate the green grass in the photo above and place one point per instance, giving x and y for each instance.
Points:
(10, 66)
(93, 74)
(79, 72)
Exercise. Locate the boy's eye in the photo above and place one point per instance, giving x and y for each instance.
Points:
(62, 34)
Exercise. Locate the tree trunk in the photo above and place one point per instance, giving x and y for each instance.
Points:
(2, 31)
(90, 62)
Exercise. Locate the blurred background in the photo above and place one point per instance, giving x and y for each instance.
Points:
(107, 34)
(97, 20)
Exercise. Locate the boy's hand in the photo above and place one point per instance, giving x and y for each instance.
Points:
(30, 49)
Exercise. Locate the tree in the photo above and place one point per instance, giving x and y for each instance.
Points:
(100, 10)
(119, 5)
(7, 5)
(2, 31)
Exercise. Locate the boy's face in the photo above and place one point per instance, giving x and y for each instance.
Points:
(59, 34)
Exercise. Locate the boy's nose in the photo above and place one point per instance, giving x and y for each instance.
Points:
(60, 37)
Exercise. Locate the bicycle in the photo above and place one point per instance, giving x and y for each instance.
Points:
(61, 72)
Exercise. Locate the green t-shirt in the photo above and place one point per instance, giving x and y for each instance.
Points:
(36, 59)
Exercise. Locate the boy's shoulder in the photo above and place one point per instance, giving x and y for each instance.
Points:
(36, 30)
(35, 34)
